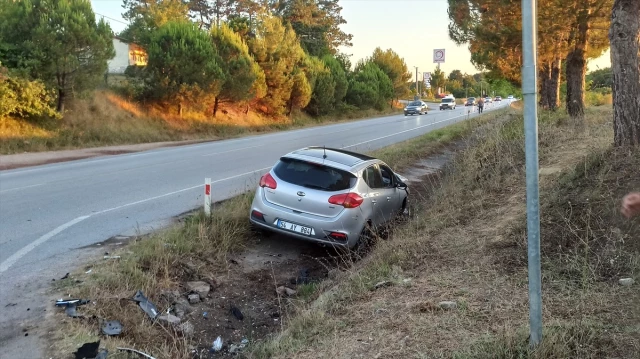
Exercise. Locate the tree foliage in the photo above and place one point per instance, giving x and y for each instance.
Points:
(396, 69)
(571, 31)
(243, 78)
(57, 41)
(146, 16)
(183, 63)
(278, 52)
(369, 87)
(317, 23)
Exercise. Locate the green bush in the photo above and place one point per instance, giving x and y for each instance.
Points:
(23, 98)
(598, 98)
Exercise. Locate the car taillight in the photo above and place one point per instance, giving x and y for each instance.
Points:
(346, 200)
(268, 181)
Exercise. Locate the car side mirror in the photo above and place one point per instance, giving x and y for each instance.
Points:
(401, 185)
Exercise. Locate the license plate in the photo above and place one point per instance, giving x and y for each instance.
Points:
(307, 231)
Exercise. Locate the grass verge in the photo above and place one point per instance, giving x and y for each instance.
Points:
(467, 245)
(107, 119)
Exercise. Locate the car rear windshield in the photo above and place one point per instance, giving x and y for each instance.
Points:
(447, 100)
(313, 175)
(415, 103)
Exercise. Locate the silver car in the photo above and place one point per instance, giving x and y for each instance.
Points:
(328, 196)
(416, 108)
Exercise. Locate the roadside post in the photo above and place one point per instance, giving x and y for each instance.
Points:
(529, 88)
(207, 196)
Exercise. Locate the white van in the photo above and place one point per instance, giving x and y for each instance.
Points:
(448, 103)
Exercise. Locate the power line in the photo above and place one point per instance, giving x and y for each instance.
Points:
(110, 18)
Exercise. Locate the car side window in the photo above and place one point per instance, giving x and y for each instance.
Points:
(372, 177)
(387, 177)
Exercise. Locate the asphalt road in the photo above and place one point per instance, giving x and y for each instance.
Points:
(48, 211)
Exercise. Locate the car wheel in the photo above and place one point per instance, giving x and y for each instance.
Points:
(365, 243)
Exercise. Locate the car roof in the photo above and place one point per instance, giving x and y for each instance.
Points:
(336, 157)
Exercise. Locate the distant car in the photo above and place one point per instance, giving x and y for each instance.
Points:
(329, 196)
(510, 97)
(497, 99)
(488, 99)
(416, 108)
(471, 101)
(448, 103)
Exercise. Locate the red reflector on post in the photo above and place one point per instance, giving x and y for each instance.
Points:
(207, 189)
(346, 200)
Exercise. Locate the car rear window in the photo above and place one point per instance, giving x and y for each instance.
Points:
(313, 175)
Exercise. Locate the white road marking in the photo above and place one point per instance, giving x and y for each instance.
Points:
(237, 149)
(409, 130)
(19, 188)
(31, 246)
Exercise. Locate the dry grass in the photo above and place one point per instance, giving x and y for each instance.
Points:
(467, 245)
(108, 119)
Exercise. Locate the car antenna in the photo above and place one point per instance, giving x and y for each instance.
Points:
(324, 156)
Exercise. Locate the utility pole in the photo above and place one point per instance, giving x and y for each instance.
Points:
(529, 88)
(417, 85)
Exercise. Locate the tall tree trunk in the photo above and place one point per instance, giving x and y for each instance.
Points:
(216, 102)
(624, 36)
(554, 83)
(544, 79)
(577, 67)
(61, 98)
(180, 109)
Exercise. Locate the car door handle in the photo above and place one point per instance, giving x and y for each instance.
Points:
(388, 198)
(374, 201)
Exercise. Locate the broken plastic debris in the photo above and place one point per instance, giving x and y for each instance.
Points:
(104, 353)
(237, 313)
(146, 305)
(137, 352)
(112, 327)
(71, 311)
(217, 345)
(87, 350)
(111, 257)
(71, 302)
(89, 271)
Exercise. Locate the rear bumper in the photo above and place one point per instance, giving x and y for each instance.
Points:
(349, 222)
(413, 112)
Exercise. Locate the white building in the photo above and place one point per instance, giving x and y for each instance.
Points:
(127, 54)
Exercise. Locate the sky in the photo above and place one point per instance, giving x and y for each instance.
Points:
(412, 28)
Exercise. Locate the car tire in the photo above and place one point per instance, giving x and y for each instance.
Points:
(366, 241)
